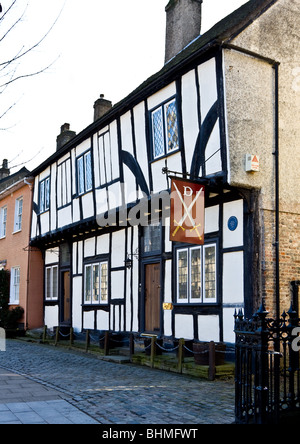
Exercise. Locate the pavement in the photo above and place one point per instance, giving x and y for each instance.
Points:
(42, 384)
(23, 401)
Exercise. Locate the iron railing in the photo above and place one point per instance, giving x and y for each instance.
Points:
(267, 381)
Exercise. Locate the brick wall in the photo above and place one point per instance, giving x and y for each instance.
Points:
(289, 254)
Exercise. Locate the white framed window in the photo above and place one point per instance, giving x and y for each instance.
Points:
(164, 121)
(14, 286)
(3, 222)
(96, 283)
(51, 283)
(44, 195)
(196, 271)
(84, 173)
(18, 215)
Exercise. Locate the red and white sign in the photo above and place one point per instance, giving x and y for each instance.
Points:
(252, 162)
(187, 212)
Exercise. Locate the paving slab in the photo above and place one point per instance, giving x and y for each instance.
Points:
(23, 401)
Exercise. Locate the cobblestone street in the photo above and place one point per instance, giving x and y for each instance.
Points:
(118, 393)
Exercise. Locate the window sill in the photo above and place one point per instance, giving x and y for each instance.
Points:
(17, 231)
(198, 304)
(163, 156)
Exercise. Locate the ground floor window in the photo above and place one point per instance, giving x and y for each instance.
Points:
(96, 283)
(196, 274)
(15, 285)
(51, 283)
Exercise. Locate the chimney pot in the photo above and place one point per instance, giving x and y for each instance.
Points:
(183, 25)
(101, 107)
(65, 136)
(4, 171)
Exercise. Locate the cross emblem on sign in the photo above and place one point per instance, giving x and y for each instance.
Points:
(187, 212)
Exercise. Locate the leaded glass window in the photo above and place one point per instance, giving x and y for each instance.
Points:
(84, 173)
(195, 261)
(182, 271)
(96, 283)
(158, 133)
(197, 274)
(44, 198)
(165, 129)
(88, 171)
(172, 127)
(210, 272)
(152, 238)
(104, 282)
(80, 175)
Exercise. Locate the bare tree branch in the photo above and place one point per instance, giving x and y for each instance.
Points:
(11, 64)
(23, 76)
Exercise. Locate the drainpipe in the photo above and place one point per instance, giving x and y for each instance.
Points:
(277, 184)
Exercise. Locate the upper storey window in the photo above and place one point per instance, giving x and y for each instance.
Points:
(164, 120)
(44, 198)
(84, 173)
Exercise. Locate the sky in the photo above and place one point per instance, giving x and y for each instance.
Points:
(93, 47)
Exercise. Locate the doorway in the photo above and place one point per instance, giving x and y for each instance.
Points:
(152, 298)
(66, 298)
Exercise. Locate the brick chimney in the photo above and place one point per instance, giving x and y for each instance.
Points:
(101, 107)
(4, 171)
(183, 25)
(65, 136)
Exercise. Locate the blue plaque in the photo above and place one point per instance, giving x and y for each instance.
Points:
(233, 223)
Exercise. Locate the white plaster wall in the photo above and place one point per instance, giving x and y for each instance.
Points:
(233, 277)
(228, 325)
(184, 326)
(88, 320)
(233, 238)
(211, 219)
(102, 320)
(76, 303)
(52, 256)
(51, 316)
(117, 284)
(209, 328)
(89, 247)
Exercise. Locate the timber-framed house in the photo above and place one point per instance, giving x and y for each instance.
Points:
(208, 115)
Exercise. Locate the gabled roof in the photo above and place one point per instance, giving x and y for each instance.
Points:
(221, 32)
(13, 178)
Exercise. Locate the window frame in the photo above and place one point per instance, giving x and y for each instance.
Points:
(85, 180)
(18, 214)
(100, 264)
(53, 291)
(156, 225)
(203, 299)
(163, 111)
(3, 222)
(44, 191)
(13, 300)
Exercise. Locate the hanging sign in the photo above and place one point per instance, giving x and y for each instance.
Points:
(187, 212)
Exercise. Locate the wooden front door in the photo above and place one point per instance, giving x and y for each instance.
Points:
(66, 298)
(152, 298)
